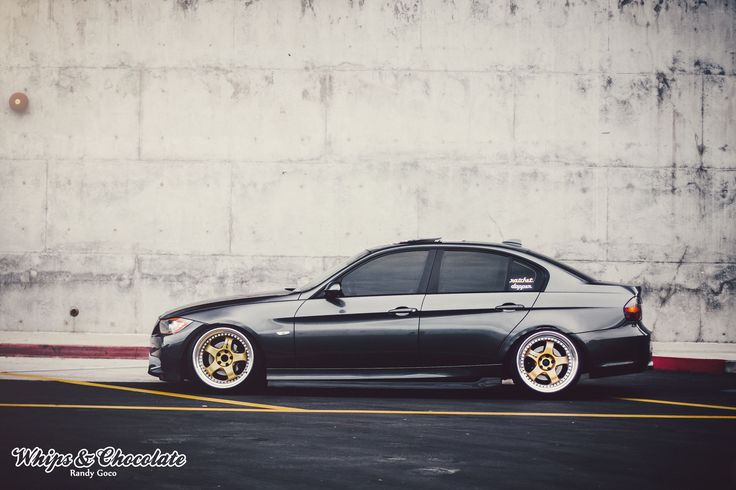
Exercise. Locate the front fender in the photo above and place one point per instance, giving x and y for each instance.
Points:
(269, 325)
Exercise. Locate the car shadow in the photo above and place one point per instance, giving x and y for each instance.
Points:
(482, 390)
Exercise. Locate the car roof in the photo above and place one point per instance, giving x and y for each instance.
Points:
(438, 241)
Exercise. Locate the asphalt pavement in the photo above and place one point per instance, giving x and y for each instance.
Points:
(650, 430)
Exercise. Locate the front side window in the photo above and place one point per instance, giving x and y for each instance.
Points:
(472, 272)
(333, 270)
(397, 273)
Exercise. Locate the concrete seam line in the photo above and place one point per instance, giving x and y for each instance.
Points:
(682, 404)
(374, 412)
(152, 392)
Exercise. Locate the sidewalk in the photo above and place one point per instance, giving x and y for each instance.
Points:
(668, 356)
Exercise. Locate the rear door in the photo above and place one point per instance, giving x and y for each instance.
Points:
(374, 323)
(475, 298)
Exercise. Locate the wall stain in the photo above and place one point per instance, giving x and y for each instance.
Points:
(513, 7)
(623, 3)
(706, 68)
(583, 84)
(325, 88)
(713, 296)
(641, 87)
(659, 5)
(663, 87)
(406, 11)
(478, 10)
(308, 5)
(188, 4)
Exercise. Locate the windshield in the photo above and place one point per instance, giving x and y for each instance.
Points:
(327, 274)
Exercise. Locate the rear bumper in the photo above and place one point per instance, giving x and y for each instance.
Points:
(621, 350)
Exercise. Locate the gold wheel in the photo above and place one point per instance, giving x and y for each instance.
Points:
(547, 362)
(222, 358)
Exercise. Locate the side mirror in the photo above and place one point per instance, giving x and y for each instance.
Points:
(333, 291)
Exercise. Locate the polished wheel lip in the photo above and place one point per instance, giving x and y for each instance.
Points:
(557, 357)
(223, 357)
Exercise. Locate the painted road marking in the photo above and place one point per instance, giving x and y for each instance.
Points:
(681, 404)
(152, 392)
(374, 412)
(258, 407)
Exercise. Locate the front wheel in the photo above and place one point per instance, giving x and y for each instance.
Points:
(546, 362)
(225, 359)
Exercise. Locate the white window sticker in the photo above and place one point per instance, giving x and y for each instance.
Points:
(521, 283)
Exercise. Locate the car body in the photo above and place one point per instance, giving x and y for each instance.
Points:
(422, 309)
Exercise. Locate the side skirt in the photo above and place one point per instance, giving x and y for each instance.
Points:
(456, 373)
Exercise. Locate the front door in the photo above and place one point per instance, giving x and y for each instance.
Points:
(374, 323)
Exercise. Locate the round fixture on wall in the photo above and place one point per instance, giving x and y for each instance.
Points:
(74, 312)
(18, 102)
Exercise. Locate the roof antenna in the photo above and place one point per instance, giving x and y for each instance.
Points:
(514, 242)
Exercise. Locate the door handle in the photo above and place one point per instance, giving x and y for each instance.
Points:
(403, 311)
(509, 307)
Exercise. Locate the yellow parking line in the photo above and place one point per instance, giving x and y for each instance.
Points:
(376, 412)
(260, 407)
(681, 404)
(152, 392)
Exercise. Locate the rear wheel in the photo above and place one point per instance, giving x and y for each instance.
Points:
(546, 362)
(225, 359)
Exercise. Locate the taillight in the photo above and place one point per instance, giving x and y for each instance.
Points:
(632, 310)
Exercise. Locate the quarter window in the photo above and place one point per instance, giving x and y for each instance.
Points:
(398, 273)
(523, 278)
(472, 272)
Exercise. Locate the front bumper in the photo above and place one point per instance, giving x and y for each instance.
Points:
(166, 357)
(621, 350)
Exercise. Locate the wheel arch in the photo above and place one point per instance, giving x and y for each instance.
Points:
(186, 366)
(513, 341)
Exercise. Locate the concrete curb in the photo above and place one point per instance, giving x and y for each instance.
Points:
(76, 351)
(691, 365)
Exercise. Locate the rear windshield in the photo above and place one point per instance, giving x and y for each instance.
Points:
(565, 267)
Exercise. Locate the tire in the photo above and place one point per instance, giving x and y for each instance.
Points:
(224, 359)
(546, 362)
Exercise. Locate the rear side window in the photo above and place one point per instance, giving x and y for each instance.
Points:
(523, 278)
(472, 272)
(397, 273)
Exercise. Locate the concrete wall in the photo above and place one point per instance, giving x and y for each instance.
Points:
(178, 150)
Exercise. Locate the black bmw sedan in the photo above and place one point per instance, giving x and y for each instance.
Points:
(422, 309)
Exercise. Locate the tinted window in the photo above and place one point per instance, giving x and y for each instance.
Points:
(523, 278)
(468, 272)
(398, 273)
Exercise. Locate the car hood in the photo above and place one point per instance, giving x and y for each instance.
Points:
(183, 311)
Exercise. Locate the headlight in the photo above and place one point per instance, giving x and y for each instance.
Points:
(173, 325)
